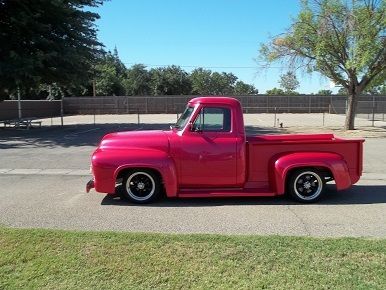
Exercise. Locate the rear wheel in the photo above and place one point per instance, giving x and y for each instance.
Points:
(306, 185)
(141, 186)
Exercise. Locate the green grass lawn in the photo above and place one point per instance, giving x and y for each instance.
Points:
(106, 260)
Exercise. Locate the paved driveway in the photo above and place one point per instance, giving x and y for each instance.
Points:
(42, 184)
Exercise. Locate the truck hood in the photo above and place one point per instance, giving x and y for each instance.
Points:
(136, 140)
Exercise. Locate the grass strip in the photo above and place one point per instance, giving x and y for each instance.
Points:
(53, 259)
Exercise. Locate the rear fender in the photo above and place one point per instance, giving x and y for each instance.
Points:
(331, 161)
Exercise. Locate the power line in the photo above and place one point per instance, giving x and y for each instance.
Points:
(206, 67)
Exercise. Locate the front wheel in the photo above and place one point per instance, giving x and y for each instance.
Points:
(306, 185)
(141, 186)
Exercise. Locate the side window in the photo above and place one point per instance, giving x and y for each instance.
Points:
(212, 119)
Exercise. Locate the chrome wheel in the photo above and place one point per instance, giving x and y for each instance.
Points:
(140, 186)
(306, 185)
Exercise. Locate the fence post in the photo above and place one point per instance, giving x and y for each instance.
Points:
(288, 104)
(61, 111)
(19, 103)
(127, 105)
(94, 117)
(274, 121)
(373, 109)
(138, 120)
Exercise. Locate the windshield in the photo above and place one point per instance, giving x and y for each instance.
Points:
(183, 119)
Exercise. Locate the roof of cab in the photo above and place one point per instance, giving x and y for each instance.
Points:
(215, 100)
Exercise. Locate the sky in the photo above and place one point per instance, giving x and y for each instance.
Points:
(220, 35)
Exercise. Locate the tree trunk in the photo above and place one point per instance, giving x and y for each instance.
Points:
(352, 103)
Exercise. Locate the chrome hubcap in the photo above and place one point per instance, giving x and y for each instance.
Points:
(140, 185)
(307, 185)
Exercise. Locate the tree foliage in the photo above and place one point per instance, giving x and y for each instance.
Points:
(377, 90)
(377, 86)
(343, 40)
(46, 42)
(201, 81)
(222, 83)
(324, 92)
(137, 81)
(206, 82)
(49, 49)
(242, 88)
(289, 83)
(275, 92)
(171, 80)
(109, 75)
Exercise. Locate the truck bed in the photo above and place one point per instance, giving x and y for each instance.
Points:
(263, 149)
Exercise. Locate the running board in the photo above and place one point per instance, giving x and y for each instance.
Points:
(187, 193)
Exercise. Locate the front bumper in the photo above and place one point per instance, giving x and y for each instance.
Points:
(90, 185)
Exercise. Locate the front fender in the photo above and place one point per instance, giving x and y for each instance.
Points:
(332, 161)
(118, 160)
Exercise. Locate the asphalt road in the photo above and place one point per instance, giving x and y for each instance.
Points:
(43, 173)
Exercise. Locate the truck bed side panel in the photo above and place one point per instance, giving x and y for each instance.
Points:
(263, 152)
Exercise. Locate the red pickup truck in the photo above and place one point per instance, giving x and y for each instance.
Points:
(207, 154)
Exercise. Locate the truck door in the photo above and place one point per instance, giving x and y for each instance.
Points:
(208, 150)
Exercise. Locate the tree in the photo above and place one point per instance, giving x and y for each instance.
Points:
(171, 80)
(343, 40)
(222, 83)
(289, 83)
(137, 82)
(109, 76)
(201, 80)
(120, 67)
(206, 82)
(275, 92)
(46, 42)
(242, 88)
(324, 92)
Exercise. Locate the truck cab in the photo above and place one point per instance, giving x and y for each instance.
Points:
(208, 143)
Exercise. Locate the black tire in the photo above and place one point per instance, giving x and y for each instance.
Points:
(306, 185)
(141, 186)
